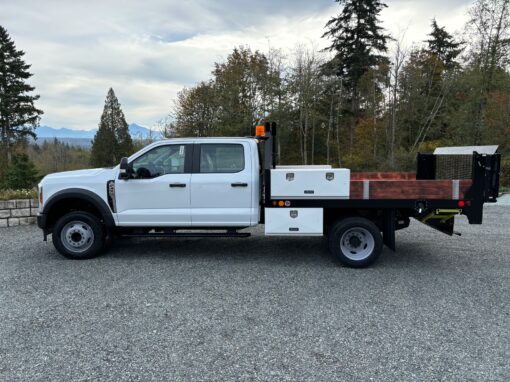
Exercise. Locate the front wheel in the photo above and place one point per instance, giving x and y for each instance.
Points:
(356, 242)
(79, 235)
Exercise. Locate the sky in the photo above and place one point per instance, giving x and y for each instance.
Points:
(149, 50)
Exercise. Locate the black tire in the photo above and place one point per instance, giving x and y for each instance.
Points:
(363, 242)
(91, 232)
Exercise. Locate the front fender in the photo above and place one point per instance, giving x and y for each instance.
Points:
(76, 193)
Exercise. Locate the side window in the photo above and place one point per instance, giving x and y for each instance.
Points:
(221, 158)
(159, 161)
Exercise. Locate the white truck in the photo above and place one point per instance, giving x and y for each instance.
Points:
(216, 187)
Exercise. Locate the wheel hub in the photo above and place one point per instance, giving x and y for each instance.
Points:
(357, 243)
(77, 236)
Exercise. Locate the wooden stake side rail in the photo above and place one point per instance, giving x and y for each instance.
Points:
(401, 186)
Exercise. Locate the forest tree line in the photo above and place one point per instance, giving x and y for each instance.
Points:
(368, 102)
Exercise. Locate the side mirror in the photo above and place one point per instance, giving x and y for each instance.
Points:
(124, 169)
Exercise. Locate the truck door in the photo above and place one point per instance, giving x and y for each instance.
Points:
(158, 192)
(221, 185)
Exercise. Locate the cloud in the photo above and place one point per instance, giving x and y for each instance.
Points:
(410, 20)
(147, 51)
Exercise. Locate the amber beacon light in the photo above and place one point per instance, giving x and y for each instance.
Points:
(260, 131)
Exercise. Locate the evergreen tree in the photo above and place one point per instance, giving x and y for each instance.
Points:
(443, 46)
(112, 140)
(124, 141)
(359, 42)
(22, 173)
(18, 115)
(103, 146)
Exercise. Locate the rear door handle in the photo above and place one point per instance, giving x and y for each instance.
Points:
(239, 184)
(180, 185)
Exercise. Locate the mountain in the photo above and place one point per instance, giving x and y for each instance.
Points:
(142, 132)
(50, 132)
(83, 138)
(136, 131)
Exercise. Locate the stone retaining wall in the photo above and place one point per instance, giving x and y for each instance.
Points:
(18, 212)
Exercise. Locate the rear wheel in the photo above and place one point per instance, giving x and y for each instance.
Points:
(79, 236)
(356, 242)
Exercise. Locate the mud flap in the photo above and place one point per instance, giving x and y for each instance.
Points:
(389, 229)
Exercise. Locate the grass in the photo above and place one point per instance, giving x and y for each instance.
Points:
(7, 194)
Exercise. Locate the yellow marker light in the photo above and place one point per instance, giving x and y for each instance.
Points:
(260, 131)
(281, 203)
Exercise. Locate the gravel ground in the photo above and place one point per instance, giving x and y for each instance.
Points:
(259, 309)
(504, 200)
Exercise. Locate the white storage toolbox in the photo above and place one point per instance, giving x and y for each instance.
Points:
(310, 183)
(294, 221)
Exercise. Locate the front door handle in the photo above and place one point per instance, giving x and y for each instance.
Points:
(180, 185)
(239, 184)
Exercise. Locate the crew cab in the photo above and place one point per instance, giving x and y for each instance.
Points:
(217, 187)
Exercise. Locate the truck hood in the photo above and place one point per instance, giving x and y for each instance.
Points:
(94, 172)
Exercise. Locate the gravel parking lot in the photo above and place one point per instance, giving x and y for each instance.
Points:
(259, 309)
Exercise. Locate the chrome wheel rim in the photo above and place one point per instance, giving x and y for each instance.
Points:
(357, 244)
(77, 236)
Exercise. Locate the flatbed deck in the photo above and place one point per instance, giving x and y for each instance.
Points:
(405, 186)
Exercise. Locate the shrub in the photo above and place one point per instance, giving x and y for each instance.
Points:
(18, 194)
(21, 174)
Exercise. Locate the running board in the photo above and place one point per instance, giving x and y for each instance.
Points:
(189, 234)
